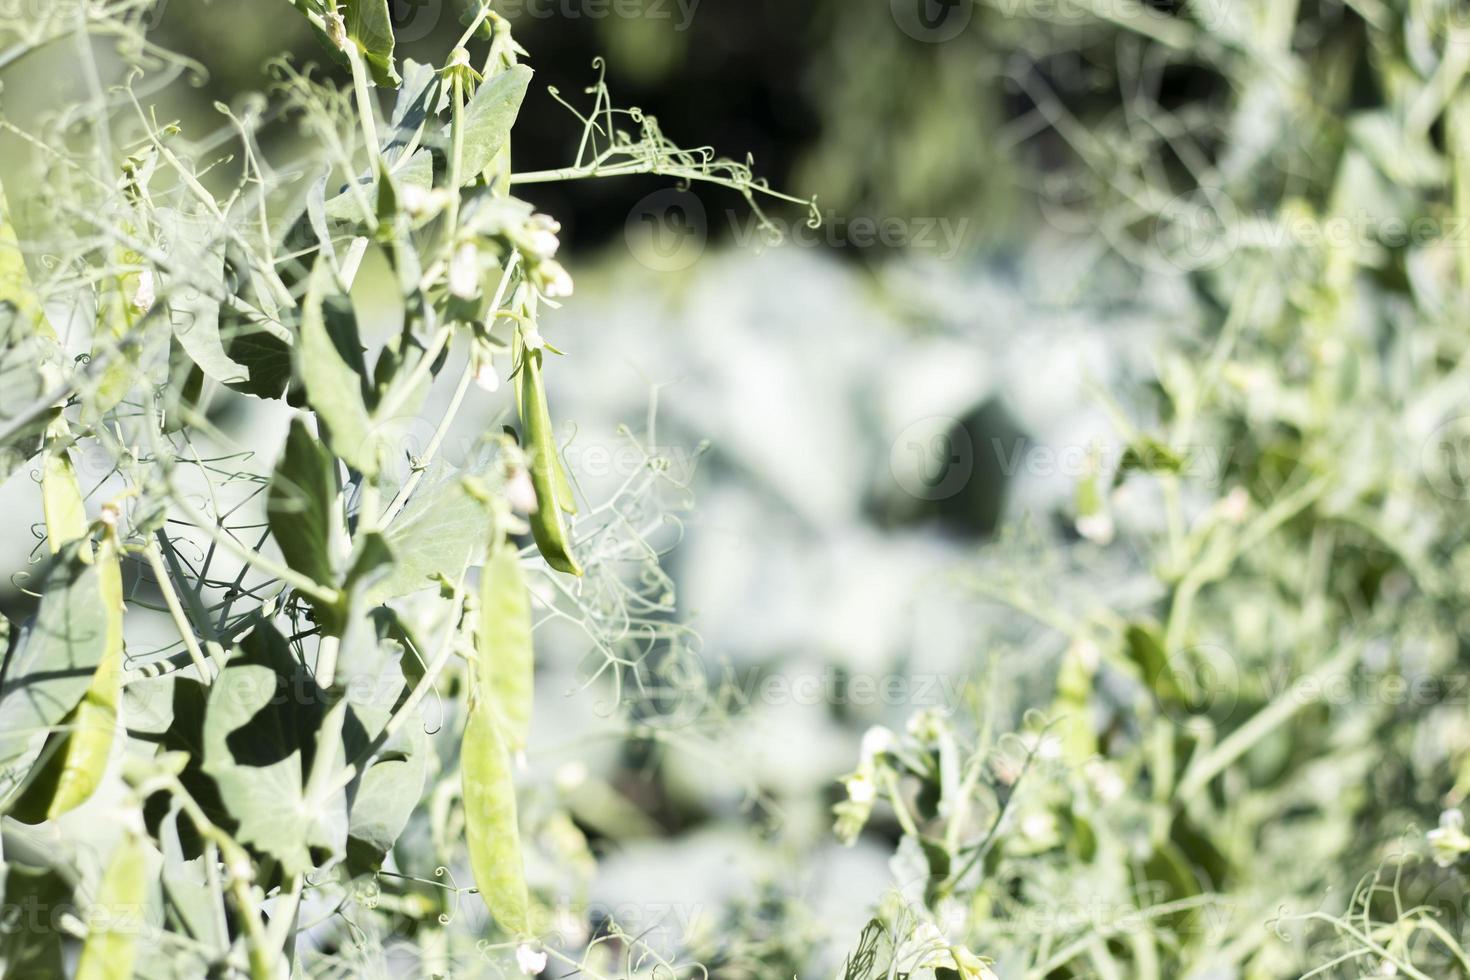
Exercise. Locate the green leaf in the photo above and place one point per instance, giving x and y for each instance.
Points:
(488, 117)
(369, 24)
(438, 533)
(300, 505)
(388, 792)
(1146, 651)
(260, 740)
(197, 249)
(56, 654)
(331, 366)
(257, 341)
(418, 97)
(32, 954)
(112, 943)
(75, 757)
(31, 360)
(505, 670)
(491, 827)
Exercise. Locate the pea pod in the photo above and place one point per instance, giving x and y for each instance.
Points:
(505, 672)
(74, 758)
(553, 493)
(61, 495)
(491, 828)
(117, 915)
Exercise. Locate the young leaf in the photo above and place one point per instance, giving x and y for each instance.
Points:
(197, 251)
(331, 366)
(547, 525)
(112, 942)
(505, 670)
(368, 27)
(488, 117)
(299, 504)
(369, 24)
(491, 827)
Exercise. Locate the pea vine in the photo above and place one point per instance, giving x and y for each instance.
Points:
(298, 694)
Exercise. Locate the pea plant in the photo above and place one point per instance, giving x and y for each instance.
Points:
(268, 711)
(1245, 685)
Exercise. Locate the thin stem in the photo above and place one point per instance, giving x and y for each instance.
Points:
(176, 610)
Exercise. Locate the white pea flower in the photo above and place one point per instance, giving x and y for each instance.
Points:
(860, 788)
(521, 492)
(876, 741)
(1097, 528)
(485, 377)
(1448, 841)
(1105, 780)
(1038, 827)
(556, 282)
(531, 960)
(145, 296)
(464, 271)
(570, 775)
(415, 199)
(541, 240)
(532, 338)
(1236, 505)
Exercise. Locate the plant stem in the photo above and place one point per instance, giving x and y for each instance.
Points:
(176, 610)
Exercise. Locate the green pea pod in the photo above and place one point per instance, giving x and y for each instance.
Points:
(505, 674)
(117, 915)
(61, 495)
(491, 829)
(74, 758)
(547, 525)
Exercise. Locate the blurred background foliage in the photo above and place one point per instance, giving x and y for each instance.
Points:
(1128, 179)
